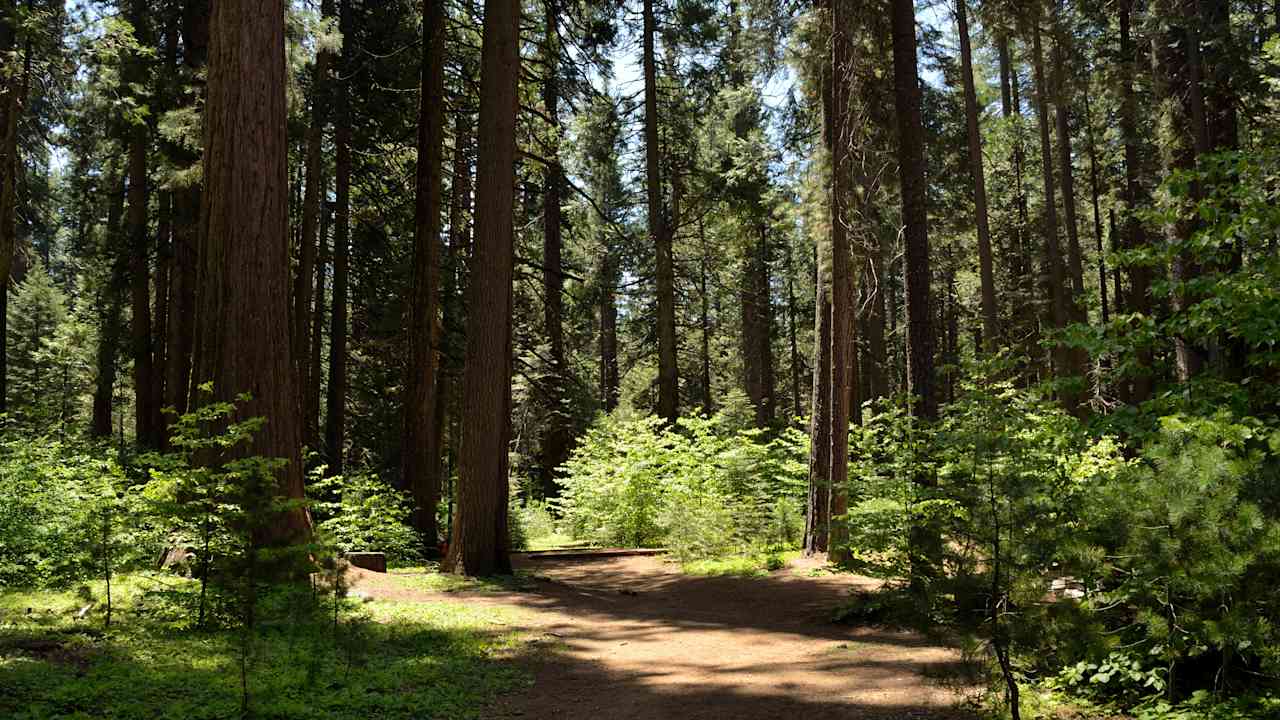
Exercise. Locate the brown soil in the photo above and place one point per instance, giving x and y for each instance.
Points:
(632, 637)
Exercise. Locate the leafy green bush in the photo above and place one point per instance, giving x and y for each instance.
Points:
(529, 521)
(56, 499)
(705, 488)
(360, 512)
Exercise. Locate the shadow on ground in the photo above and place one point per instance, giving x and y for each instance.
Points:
(632, 638)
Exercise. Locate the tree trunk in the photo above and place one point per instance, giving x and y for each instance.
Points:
(454, 319)
(708, 402)
(796, 409)
(1177, 71)
(1077, 359)
(559, 433)
(841, 269)
(1059, 290)
(11, 101)
(877, 360)
(244, 260)
(110, 320)
(479, 535)
(420, 457)
(816, 515)
(660, 235)
(1095, 190)
(990, 321)
(1139, 297)
(148, 427)
(1066, 170)
(314, 185)
(757, 321)
(608, 331)
(1024, 313)
(925, 542)
(311, 404)
(335, 416)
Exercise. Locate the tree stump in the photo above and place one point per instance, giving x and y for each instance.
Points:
(372, 561)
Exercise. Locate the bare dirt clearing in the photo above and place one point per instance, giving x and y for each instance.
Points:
(632, 637)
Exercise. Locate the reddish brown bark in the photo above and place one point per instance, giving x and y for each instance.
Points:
(244, 261)
(479, 540)
(420, 457)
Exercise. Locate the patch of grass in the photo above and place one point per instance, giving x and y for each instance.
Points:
(428, 578)
(385, 659)
(554, 541)
(753, 565)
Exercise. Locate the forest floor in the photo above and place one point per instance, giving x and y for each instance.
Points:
(631, 637)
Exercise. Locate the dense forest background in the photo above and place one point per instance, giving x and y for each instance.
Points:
(981, 296)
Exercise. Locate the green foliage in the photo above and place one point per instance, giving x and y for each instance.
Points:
(48, 354)
(225, 508)
(531, 522)
(54, 499)
(363, 513)
(701, 489)
(1188, 555)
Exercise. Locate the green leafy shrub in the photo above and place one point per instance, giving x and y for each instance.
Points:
(706, 488)
(529, 521)
(1189, 559)
(360, 512)
(54, 500)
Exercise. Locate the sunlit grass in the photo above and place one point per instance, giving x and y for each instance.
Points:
(382, 659)
(428, 578)
(751, 565)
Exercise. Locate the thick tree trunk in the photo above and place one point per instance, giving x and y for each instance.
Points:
(841, 269)
(990, 320)
(659, 233)
(479, 541)
(925, 542)
(911, 166)
(312, 190)
(419, 455)
(148, 426)
(1139, 296)
(817, 529)
(335, 416)
(110, 319)
(244, 260)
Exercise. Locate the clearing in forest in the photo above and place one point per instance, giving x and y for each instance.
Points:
(623, 638)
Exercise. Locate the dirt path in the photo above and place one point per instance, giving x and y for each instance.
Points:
(631, 637)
